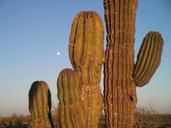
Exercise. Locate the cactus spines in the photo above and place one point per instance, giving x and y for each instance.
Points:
(40, 105)
(120, 77)
(148, 58)
(86, 54)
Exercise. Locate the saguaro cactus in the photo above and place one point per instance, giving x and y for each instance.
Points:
(120, 74)
(40, 105)
(86, 55)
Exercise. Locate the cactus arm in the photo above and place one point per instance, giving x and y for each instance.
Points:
(82, 42)
(73, 116)
(148, 59)
(141, 54)
(156, 60)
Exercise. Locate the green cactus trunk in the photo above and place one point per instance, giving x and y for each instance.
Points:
(40, 105)
(86, 55)
(119, 84)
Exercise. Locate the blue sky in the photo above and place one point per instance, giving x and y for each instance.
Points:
(33, 31)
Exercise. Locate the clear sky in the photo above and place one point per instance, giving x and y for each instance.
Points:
(32, 32)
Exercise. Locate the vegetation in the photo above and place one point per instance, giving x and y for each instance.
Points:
(150, 118)
(146, 117)
(15, 121)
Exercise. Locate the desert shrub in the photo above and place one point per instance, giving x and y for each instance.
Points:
(15, 121)
(148, 117)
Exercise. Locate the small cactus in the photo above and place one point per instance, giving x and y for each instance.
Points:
(120, 75)
(40, 105)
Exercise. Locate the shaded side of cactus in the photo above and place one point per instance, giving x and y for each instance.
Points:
(86, 52)
(119, 73)
(40, 105)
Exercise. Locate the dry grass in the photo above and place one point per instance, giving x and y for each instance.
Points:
(145, 118)
(150, 118)
(15, 121)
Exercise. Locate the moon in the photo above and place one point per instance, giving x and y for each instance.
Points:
(58, 53)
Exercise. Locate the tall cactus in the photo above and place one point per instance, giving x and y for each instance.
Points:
(120, 75)
(40, 105)
(86, 55)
